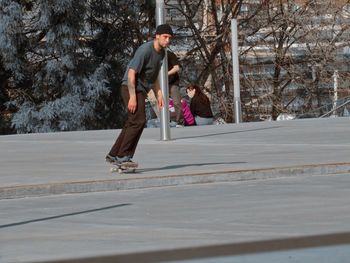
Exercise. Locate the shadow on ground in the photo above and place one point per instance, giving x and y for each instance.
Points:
(179, 166)
(61, 216)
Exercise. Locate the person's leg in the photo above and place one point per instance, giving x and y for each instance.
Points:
(128, 138)
(176, 97)
(203, 121)
(137, 126)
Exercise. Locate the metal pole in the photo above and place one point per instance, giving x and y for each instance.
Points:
(335, 97)
(163, 80)
(235, 69)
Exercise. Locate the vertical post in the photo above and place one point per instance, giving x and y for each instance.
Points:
(335, 96)
(163, 80)
(235, 69)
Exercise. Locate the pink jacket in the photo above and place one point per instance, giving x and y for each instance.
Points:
(189, 120)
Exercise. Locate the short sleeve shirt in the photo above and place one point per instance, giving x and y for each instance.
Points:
(147, 63)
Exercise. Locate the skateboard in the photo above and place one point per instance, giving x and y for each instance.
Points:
(151, 98)
(124, 168)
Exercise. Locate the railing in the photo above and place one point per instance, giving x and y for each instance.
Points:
(336, 109)
(327, 110)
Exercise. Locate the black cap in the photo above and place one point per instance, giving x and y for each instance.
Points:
(164, 29)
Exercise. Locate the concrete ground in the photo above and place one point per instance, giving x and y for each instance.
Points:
(234, 183)
(73, 162)
(144, 220)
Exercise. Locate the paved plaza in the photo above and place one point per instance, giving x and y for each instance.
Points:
(73, 162)
(208, 186)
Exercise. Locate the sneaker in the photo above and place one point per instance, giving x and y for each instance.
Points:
(179, 126)
(124, 159)
(130, 163)
(111, 159)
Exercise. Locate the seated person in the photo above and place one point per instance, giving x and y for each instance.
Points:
(188, 117)
(200, 106)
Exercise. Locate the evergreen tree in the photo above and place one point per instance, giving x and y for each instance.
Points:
(63, 61)
(63, 87)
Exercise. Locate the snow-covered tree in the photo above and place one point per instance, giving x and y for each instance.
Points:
(62, 61)
(52, 88)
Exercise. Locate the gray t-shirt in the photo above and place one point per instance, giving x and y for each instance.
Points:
(147, 63)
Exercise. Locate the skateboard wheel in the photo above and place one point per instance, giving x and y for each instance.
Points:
(120, 170)
(111, 170)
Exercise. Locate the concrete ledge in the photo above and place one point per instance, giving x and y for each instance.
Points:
(244, 248)
(138, 182)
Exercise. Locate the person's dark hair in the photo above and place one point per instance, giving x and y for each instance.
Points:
(202, 97)
(164, 29)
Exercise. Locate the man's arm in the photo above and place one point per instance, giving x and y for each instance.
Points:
(173, 62)
(132, 90)
(174, 70)
(159, 93)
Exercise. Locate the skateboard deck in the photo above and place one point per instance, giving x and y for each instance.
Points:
(124, 168)
(151, 98)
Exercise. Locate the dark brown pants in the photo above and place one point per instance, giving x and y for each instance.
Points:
(129, 137)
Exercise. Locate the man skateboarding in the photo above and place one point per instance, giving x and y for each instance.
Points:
(139, 78)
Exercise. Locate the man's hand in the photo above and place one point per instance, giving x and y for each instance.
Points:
(160, 100)
(132, 105)
(158, 91)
